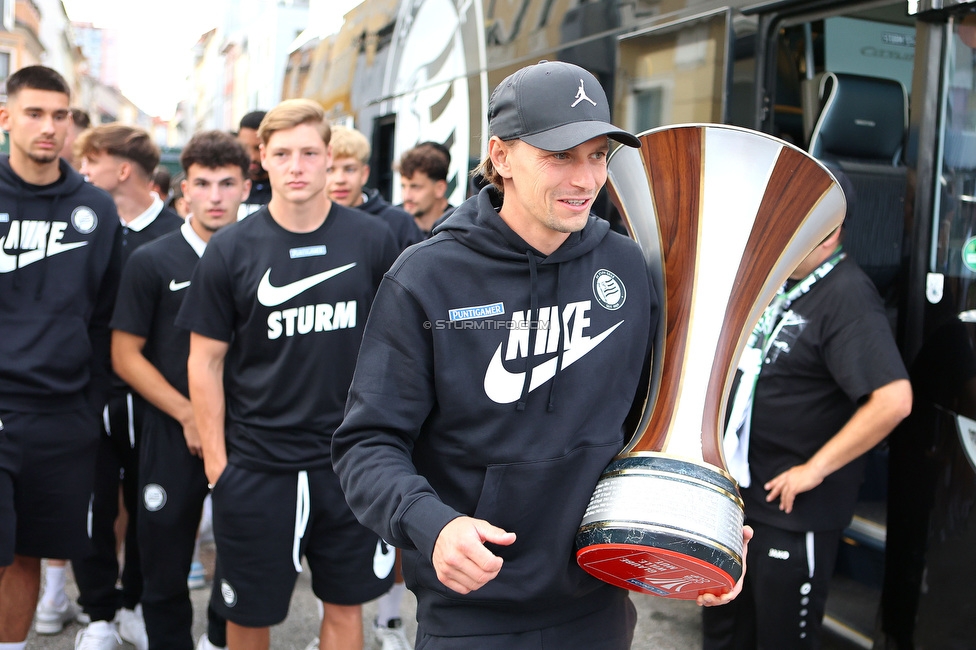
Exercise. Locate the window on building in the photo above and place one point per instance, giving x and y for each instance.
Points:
(4, 72)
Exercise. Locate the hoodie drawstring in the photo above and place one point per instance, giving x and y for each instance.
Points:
(551, 406)
(533, 323)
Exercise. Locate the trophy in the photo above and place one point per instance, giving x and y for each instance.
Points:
(723, 215)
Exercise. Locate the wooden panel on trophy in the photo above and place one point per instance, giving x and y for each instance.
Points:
(674, 168)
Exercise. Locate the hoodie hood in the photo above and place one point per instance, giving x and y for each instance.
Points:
(69, 181)
(405, 230)
(477, 224)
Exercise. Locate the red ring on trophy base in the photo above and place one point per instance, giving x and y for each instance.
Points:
(658, 572)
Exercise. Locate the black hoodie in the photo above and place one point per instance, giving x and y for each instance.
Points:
(401, 222)
(443, 419)
(58, 279)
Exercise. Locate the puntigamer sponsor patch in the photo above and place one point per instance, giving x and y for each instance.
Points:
(307, 251)
(481, 311)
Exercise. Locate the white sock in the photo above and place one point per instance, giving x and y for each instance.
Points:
(388, 605)
(53, 585)
(14, 646)
(196, 551)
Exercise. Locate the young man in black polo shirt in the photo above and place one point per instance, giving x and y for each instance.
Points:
(150, 352)
(276, 309)
(120, 160)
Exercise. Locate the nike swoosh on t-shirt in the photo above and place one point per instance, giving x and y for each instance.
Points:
(176, 286)
(272, 296)
(504, 387)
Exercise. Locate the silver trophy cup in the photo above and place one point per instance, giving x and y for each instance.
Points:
(723, 215)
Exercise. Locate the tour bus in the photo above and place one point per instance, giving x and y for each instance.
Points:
(883, 89)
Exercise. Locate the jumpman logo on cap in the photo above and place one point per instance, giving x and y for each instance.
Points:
(580, 96)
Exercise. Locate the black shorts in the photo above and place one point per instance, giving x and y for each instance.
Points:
(262, 529)
(47, 468)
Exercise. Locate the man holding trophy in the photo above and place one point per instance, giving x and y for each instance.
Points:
(501, 360)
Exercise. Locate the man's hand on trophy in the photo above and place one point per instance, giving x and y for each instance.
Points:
(460, 558)
(794, 481)
(711, 600)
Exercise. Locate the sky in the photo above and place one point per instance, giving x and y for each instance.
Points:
(156, 41)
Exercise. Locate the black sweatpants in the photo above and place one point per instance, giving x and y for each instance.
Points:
(118, 460)
(173, 486)
(782, 600)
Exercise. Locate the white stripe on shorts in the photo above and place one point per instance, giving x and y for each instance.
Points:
(302, 508)
(811, 550)
(132, 420)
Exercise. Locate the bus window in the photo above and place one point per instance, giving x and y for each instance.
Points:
(876, 42)
(675, 73)
(382, 159)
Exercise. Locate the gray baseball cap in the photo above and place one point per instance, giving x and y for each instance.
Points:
(554, 106)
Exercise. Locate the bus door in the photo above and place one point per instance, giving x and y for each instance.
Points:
(837, 81)
(930, 561)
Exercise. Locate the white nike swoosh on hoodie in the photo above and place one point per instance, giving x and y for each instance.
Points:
(504, 387)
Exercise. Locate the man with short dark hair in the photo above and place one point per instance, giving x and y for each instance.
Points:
(423, 183)
(150, 352)
(119, 159)
(161, 181)
(58, 278)
(80, 122)
(474, 402)
(247, 135)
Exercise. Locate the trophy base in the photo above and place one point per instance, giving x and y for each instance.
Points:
(663, 526)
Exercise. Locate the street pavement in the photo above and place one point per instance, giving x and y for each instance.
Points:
(662, 624)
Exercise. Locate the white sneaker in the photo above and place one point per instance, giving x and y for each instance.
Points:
(204, 644)
(51, 619)
(391, 637)
(99, 635)
(314, 645)
(197, 578)
(132, 627)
